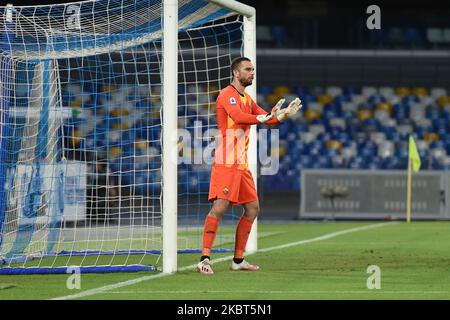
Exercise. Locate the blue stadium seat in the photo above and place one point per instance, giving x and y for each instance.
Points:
(296, 183)
(421, 130)
(394, 163)
(316, 147)
(445, 115)
(389, 163)
(437, 164)
(306, 161)
(298, 145)
(437, 144)
(342, 137)
(368, 144)
(439, 123)
(375, 163)
(292, 175)
(292, 136)
(407, 100)
(329, 113)
(445, 137)
(342, 99)
(391, 133)
(368, 153)
(423, 154)
(324, 162)
(265, 90)
(401, 152)
(357, 163)
(424, 162)
(350, 91)
(376, 98)
(353, 127)
(323, 137)
(285, 129)
(360, 137)
(335, 132)
(433, 112)
(349, 114)
(446, 166)
(400, 111)
(301, 127)
(402, 163)
(300, 91)
(308, 98)
(404, 136)
(371, 125)
(414, 37)
(147, 183)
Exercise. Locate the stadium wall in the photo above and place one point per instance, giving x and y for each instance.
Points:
(307, 67)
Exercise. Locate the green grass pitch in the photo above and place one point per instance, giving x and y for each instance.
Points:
(413, 260)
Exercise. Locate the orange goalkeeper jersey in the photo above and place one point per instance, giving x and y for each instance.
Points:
(236, 112)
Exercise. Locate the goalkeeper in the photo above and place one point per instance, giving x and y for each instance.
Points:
(231, 181)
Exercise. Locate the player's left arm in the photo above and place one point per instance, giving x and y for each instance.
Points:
(258, 110)
(277, 114)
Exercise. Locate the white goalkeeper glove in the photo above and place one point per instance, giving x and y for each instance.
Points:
(281, 114)
(286, 113)
(264, 117)
(277, 106)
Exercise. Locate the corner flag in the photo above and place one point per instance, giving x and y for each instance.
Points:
(413, 165)
(414, 155)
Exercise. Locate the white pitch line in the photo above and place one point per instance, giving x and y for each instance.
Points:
(94, 291)
(367, 291)
(325, 237)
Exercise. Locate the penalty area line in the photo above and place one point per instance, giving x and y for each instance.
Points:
(114, 286)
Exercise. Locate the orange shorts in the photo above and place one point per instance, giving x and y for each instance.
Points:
(234, 185)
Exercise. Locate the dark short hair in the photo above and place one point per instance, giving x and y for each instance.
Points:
(236, 63)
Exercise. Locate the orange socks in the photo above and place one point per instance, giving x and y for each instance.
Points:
(242, 232)
(209, 234)
(243, 229)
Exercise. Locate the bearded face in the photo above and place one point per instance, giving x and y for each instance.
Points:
(246, 81)
(246, 73)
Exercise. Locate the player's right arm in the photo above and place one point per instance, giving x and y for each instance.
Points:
(279, 115)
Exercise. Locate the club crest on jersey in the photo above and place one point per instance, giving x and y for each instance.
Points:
(232, 100)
